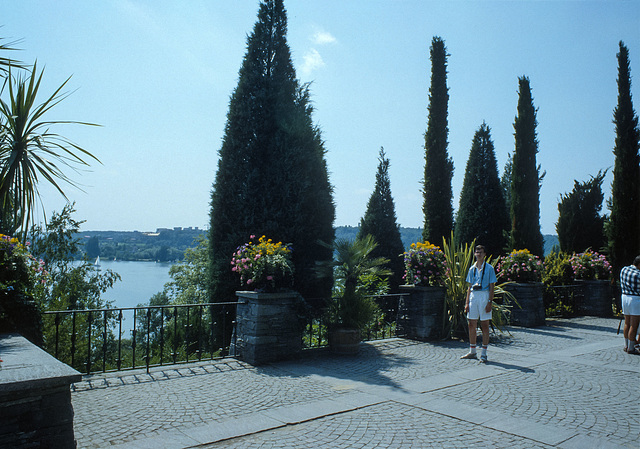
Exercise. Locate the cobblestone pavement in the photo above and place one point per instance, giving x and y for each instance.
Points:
(564, 385)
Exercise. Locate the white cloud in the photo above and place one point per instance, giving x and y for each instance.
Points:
(323, 38)
(311, 61)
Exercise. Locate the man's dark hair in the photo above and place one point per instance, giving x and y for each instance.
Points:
(636, 261)
(481, 247)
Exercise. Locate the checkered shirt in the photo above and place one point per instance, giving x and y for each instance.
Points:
(630, 280)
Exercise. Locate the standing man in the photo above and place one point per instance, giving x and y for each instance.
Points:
(482, 281)
(630, 283)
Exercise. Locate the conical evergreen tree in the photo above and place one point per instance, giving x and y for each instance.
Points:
(482, 214)
(580, 225)
(438, 170)
(525, 177)
(272, 177)
(379, 221)
(623, 229)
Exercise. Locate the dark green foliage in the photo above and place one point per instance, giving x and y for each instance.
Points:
(272, 177)
(379, 221)
(92, 247)
(580, 225)
(623, 229)
(438, 169)
(482, 215)
(505, 182)
(525, 177)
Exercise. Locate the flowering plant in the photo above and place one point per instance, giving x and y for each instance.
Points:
(519, 266)
(264, 265)
(19, 270)
(590, 265)
(425, 265)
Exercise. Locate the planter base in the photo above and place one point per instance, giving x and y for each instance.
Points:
(531, 310)
(344, 341)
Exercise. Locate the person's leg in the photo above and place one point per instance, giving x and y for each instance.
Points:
(633, 330)
(473, 324)
(484, 325)
(625, 332)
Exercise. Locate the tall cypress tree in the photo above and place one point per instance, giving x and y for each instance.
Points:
(482, 214)
(623, 228)
(580, 225)
(438, 169)
(526, 177)
(272, 177)
(380, 221)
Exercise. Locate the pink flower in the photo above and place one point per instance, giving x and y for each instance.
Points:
(269, 278)
(249, 281)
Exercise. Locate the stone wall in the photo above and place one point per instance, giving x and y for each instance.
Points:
(35, 398)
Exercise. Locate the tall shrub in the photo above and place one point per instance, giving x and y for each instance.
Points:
(623, 229)
(272, 176)
(482, 214)
(380, 222)
(438, 169)
(526, 177)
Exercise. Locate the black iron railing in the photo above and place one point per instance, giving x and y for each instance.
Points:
(384, 326)
(102, 340)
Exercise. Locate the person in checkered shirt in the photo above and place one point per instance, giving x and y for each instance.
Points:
(630, 283)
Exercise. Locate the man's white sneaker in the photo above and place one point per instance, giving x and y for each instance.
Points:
(470, 355)
(483, 358)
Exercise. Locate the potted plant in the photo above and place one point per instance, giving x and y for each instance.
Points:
(421, 311)
(521, 273)
(352, 308)
(592, 273)
(263, 266)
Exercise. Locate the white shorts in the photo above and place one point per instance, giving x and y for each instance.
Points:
(630, 304)
(478, 300)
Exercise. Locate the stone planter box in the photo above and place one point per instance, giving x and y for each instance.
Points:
(35, 398)
(596, 298)
(268, 327)
(531, 310)
(421, 312)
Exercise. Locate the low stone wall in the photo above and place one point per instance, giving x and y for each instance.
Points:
(35, 398)
(268, 327)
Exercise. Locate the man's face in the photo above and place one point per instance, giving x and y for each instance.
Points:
(479, 254)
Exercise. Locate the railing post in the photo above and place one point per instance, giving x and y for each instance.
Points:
(104, 343)
(133, 340)
(148, 337)
(119, 361)
(57, 322)
(90, 324)
(161, 335)
(175, 334)
(73, 340)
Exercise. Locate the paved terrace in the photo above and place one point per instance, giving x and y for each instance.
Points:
(566, 385)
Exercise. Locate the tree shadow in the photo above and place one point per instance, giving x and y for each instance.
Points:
(374, 364)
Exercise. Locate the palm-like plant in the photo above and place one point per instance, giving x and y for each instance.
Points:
(459, 260)
(29, 150)
(353, 265)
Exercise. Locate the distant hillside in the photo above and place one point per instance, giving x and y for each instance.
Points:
(170, 244)
(412, 235)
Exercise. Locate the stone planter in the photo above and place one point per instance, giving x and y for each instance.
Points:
(421, 312)
(268, 327)
(531, 310)
(595, 298)
(344, 341)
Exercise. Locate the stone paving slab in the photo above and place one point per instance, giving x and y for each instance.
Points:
(564, 385)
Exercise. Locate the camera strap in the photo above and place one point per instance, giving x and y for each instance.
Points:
(484, 266)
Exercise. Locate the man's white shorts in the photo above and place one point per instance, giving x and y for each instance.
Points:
(630, 304)
(477, 303)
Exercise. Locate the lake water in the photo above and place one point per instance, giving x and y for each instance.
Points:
(140, 281)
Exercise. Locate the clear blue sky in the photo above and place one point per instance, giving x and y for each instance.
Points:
(157, 75)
